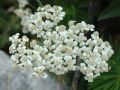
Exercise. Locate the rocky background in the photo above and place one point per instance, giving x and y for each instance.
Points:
(14, 79)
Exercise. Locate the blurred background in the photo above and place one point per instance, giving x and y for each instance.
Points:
(104, 14)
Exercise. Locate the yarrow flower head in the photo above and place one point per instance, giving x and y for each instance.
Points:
(58, 48)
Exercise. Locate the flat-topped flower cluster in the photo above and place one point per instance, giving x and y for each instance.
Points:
(58, 48)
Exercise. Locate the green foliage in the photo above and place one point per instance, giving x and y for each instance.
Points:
(6, 3)
(9, 22)
(111, 79)
(112, 10)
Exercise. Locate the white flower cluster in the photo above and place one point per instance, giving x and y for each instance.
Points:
(43, 20)
(59, 48)
(27, 59)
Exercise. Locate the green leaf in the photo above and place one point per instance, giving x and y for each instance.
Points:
(112, 11)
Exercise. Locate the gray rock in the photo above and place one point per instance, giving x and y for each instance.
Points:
(11, 79)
